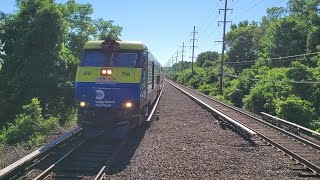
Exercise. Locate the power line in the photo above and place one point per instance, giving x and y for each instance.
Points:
(286, 58)
(235, 3)
(270, 6)
(275, 81)
(213, 31)
(248, 9)
(211, 23)
(211, 12)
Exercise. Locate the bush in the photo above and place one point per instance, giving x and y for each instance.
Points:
(259, 100)
(29, 126)
(315, 125)
(234, 94)
(207, 63)
(206, 88)
(296, 110)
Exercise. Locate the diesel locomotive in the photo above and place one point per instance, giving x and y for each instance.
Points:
(116, 84)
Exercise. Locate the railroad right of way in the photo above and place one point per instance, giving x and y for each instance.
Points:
(187, 142)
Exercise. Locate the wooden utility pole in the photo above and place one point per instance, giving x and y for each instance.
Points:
(223, 42)
(193, 39)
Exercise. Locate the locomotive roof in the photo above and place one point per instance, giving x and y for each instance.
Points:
(130, 45)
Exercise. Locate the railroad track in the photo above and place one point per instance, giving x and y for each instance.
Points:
(86, 161)
(303, 155)
(46, 153)
(70, 156)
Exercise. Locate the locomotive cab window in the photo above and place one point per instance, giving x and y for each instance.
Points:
(94, 58)
(123, 59)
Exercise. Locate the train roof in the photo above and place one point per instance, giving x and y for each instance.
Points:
(130, 45)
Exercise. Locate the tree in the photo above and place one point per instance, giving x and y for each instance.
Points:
(40, 57)
(241, 44)
(83, 28)
(284, 37)
(300, 72)
(105, 29)
(270, 87)
(208, 55)
(275, 13)
(32, 60)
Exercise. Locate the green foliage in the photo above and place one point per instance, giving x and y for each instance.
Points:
(268, 85)
(234, 94)
(259, 101)
(32, 60)
(207, 89)
(207, 63)
(241, 44)
(39, 59)
(105, 29)
(206, 56)
(81, 27)
(272, 86)
(29, 127)
(296, 110)
(300, 72)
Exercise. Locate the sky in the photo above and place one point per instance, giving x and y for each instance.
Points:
(164, 25)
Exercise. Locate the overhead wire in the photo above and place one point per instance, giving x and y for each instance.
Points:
(210, 14)
(277, 59)
(270, 6)
(213, 31)
(275, 81)
(239, 15)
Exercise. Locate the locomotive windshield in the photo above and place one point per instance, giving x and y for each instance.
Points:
(106, 58)
(124, 59)
(94, 58)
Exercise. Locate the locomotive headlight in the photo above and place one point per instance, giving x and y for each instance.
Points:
(109, 71)
(106, 72)
(82, 104)
(128, 104)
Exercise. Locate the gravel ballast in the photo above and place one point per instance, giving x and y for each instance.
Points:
(188, 143)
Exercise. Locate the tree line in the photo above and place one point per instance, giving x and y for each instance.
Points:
(262, 72)
(40, 47)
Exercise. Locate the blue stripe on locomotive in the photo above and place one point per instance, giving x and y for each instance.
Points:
(107, 95)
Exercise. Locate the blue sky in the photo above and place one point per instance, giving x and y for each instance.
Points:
(165, 24)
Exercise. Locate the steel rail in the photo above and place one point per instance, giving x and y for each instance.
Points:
(305, 141)
(155, 106)
(22, 164)
(301, 129)
(248, 132)
(103, 170)
(48, 170)
(312, 166)
(112, 158)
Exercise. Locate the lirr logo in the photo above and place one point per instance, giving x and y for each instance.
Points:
(99, 94)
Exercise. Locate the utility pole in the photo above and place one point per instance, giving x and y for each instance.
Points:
(193, 39)
(172, 62)
(177, 59)
(182, 55)
(223, 41)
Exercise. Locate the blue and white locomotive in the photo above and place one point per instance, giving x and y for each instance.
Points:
(116, 84)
